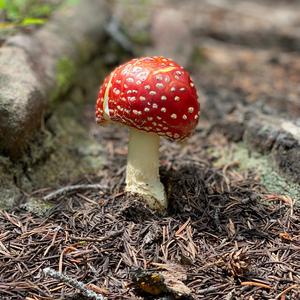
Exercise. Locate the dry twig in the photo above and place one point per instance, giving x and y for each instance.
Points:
(72, 189)
(73, 282)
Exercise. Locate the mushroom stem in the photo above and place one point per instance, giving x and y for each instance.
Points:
(142, 175)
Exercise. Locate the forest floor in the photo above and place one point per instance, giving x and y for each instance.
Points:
(233, 239)
(232, 226)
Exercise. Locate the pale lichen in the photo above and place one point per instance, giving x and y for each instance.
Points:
(262, 165)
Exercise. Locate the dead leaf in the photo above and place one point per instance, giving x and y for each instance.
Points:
(174, 285)
(231, 228)
(178, 271)
(285, 236)
(149, 282)
(97, 289)
(168, 281)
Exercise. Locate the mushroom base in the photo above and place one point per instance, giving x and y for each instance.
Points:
(142, 174)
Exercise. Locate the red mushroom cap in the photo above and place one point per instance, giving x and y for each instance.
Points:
(153, 94)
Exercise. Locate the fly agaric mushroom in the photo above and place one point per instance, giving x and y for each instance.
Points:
(154, 97)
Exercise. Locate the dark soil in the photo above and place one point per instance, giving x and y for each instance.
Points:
(234, 240)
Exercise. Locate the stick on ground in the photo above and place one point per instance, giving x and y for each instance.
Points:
(73, 282)
(72, 189)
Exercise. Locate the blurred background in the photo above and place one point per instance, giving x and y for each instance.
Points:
(249, 47)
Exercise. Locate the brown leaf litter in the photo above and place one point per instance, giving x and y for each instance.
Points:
(224, 236)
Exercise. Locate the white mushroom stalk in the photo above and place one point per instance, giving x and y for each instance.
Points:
(142, 173)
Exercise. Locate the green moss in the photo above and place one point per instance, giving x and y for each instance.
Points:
(67, 151)
(65, 73)
(262, 165)
(9, 193)
(59, 155)
(9, 196)
(136, 18)
(27, 12)
(37, 206)
(198, 56)
(141, 38)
